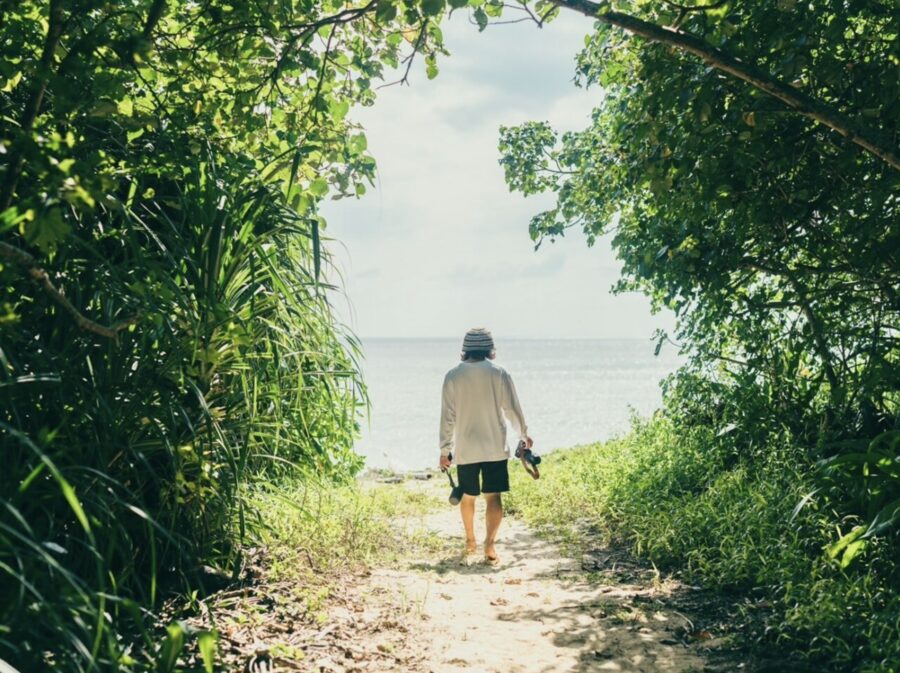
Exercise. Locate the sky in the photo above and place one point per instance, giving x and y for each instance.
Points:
(440, 244)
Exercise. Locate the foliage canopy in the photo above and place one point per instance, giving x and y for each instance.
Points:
(773, 238)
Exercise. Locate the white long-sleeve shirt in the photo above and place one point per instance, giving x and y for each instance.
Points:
(477, 400)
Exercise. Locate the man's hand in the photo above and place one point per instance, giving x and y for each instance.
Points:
(528, 442)
(445, 463)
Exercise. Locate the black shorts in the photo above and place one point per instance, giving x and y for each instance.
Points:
(494, 477)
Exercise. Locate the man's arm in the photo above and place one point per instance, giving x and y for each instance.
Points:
(448, 420)
(513, 410)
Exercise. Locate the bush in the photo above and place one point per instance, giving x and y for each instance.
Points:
(731, 526)
(129, 461)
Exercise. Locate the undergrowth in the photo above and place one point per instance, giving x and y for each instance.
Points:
(314, 531)
(310, 542)
(730, 524)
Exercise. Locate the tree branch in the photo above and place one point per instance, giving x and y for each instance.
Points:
(30, 265)
(791, 96)
(157, 9)
(409, 59)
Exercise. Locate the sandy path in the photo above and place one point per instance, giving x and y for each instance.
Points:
(536, 613)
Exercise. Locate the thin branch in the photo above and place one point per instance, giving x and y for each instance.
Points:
(545, 16)
(157, 9)
(507, 22)
(695, 8)
(803, 103)
(315, 99)
(30, 265)
(409, 59)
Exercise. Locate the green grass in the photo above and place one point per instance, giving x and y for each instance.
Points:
(311, 539)
(728, 524)
(317, 531)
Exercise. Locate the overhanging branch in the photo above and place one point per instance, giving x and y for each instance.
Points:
(30, 266)
(756, 77)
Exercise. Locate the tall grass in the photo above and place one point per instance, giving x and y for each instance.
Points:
(128, 462)
(732, 525)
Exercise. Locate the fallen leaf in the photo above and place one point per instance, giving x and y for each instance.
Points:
(513, 580)
(500, 601)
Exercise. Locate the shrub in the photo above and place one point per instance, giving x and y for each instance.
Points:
(729, 525)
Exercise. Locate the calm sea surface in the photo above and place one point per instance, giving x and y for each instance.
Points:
(572, 392)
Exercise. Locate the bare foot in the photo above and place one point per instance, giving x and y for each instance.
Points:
(490, 554)
(470, 552)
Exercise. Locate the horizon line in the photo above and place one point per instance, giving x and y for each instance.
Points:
(517, 338)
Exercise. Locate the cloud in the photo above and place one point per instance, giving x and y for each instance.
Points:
(440, 243)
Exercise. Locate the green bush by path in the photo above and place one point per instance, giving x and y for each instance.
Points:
(729, 525)
(166, 337)
(129, 468)
(312, 540)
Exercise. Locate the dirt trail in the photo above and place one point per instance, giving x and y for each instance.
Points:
(536, 612)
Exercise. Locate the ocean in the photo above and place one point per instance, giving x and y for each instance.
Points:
(572, 392)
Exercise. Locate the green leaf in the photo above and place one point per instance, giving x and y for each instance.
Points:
(852, 551)
(74, 503)
(358, 143)
(803, 502)
(319, 187)
(12, 82)
(431, 69)
(103, 109)
(493, 9)
(167, 657)
(385, 11)
(10, 218)
(207, 642)
(481, 18)
(845, 541)
(432, 7)
(46, 230)
(885, 519)
(339, 109)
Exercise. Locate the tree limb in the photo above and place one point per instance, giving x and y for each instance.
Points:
(791, 96)
(30, 265)
(695, 8)
(153, 17)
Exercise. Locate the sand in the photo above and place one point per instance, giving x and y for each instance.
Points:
(534, 613)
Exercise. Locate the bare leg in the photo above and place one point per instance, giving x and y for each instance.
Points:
(467, 509)
(493, 516)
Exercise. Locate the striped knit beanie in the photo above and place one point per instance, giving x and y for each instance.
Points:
(478, 339)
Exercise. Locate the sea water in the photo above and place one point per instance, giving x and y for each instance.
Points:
(572, 392)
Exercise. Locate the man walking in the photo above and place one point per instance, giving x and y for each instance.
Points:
(478, 399)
